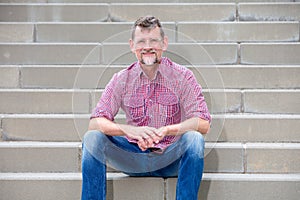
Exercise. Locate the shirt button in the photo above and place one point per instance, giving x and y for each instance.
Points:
(150, 102)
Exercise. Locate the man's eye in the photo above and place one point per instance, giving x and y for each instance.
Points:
(141, 42)
(154, 41)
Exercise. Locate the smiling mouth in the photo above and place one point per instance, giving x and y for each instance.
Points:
(149, 58)
(149, 52)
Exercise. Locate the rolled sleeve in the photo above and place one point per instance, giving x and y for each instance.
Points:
(109, 103)
(193, 101)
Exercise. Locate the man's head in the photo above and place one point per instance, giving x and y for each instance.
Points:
(148, 40)
(147, 23)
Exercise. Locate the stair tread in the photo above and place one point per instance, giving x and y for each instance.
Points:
(116, 176)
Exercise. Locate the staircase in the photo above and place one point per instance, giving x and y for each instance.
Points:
(56, 56)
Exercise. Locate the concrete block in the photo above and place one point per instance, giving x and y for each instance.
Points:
(50, 53)
(58, 128)
(151, 189)
(202, 53)
(53, 13)
(174, 12)
(237, 31)
(242, 76)
(254, 128)
(243, 186)
(46, 186)
(224, 158)
(116, 54)
(283, 101)
(269, 11)
(16, 32)
(223, 101)
(92, 32)
(83, 32)
(39, 157)
(273, 158)
(9, 77)
(272, 53)
(43, 102)
(67, 76)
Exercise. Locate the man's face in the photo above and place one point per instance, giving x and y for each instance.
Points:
(148, 45)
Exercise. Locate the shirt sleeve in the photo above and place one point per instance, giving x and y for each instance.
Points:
(192, 99)
(109, 103)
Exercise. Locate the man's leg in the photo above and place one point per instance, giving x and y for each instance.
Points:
(93, 170)
(187, 153)
(185, 159)
(191, 166)
(99, 149)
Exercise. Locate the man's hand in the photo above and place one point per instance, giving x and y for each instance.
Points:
(146, 136)
(159, 135)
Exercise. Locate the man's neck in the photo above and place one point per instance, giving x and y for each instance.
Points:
(150, 70)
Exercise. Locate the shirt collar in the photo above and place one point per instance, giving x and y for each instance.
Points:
(165, 69)
(141, 73)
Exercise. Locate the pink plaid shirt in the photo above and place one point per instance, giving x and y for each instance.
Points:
(170, 98)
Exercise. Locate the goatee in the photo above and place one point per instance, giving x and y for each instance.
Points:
(149, 60)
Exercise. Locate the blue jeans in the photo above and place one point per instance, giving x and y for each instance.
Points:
(183, 159)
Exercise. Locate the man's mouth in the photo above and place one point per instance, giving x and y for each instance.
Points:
(150, 52)
(149, 57)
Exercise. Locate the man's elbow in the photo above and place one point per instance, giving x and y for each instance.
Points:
(204, 126)
(94, 124)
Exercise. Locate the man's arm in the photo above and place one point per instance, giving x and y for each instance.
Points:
(146, 136)
(192, 124)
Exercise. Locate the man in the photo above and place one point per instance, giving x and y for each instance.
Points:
(166, 116)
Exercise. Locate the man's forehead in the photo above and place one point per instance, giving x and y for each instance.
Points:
(143, 30)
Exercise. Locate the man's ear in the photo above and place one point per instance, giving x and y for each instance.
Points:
(165, 43)
(131, 44)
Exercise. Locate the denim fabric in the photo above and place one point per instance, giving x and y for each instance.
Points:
(183, 159)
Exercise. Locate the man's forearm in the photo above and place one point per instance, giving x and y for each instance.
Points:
(106, 126)
(192, 124)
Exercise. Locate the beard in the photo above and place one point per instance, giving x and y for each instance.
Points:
(149, 57)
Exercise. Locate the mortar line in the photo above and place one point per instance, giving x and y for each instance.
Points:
(237, 17)
(176, 32)
(165, 189)
(242, 101)
(34, 33)
(20, 77)
(245, 158)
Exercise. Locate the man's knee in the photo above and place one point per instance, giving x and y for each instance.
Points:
(94, 143)
(92, 137)
(195, 142)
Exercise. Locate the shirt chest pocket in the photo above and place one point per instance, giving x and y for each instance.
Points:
(168, 105)
(134, 106)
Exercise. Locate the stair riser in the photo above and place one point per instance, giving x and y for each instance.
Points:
(233, 129)
(219, 158)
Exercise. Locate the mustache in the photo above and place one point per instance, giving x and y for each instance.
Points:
(152, 50)
(148, 51)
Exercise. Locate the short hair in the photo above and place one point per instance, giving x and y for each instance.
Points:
(147, 22)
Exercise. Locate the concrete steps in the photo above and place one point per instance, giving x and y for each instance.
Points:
(226, 157)
(82, 101)
(73, 76)
(67, 186)
(225, 128)
(68, 32)
(56, 56)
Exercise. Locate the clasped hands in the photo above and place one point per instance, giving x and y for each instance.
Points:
(146, 136)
